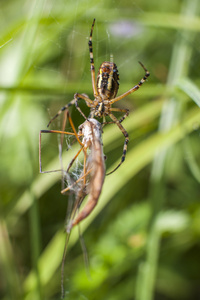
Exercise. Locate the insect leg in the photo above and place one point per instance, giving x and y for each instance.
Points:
(40, 134)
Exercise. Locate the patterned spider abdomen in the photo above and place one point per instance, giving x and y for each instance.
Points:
(107, 80)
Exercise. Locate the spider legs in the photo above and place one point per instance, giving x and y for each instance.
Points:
(61, 110)
(147, 74)
(92, 61)
(135, 88)
(84, 97)
(77, 97)
(115, 120)
(118, 110)
(126, 110)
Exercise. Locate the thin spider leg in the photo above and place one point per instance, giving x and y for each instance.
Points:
(85, 97)
(124, 116)
(126, 110)
(51, 131)
(72, 102)
(88, 101)
(77, 97)
(133, 89)
(92, 62)
(125, 142)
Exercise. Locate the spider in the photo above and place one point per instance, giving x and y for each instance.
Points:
(105, 90)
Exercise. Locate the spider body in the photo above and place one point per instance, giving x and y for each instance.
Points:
(107, 80)
(105, 94)
(107, 88)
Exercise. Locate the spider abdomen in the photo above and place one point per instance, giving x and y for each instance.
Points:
(107, 80)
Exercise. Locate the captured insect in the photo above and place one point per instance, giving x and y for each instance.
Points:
(89, 137)
(91, 179)
(105, 90)
(93, 174)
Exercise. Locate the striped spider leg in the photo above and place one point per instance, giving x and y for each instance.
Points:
(105, 90)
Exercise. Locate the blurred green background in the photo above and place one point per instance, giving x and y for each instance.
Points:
(143, 238)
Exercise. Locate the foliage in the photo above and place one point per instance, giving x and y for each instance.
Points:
(143, 237)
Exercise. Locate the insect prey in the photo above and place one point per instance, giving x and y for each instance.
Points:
(90, 182)
(92, 178)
